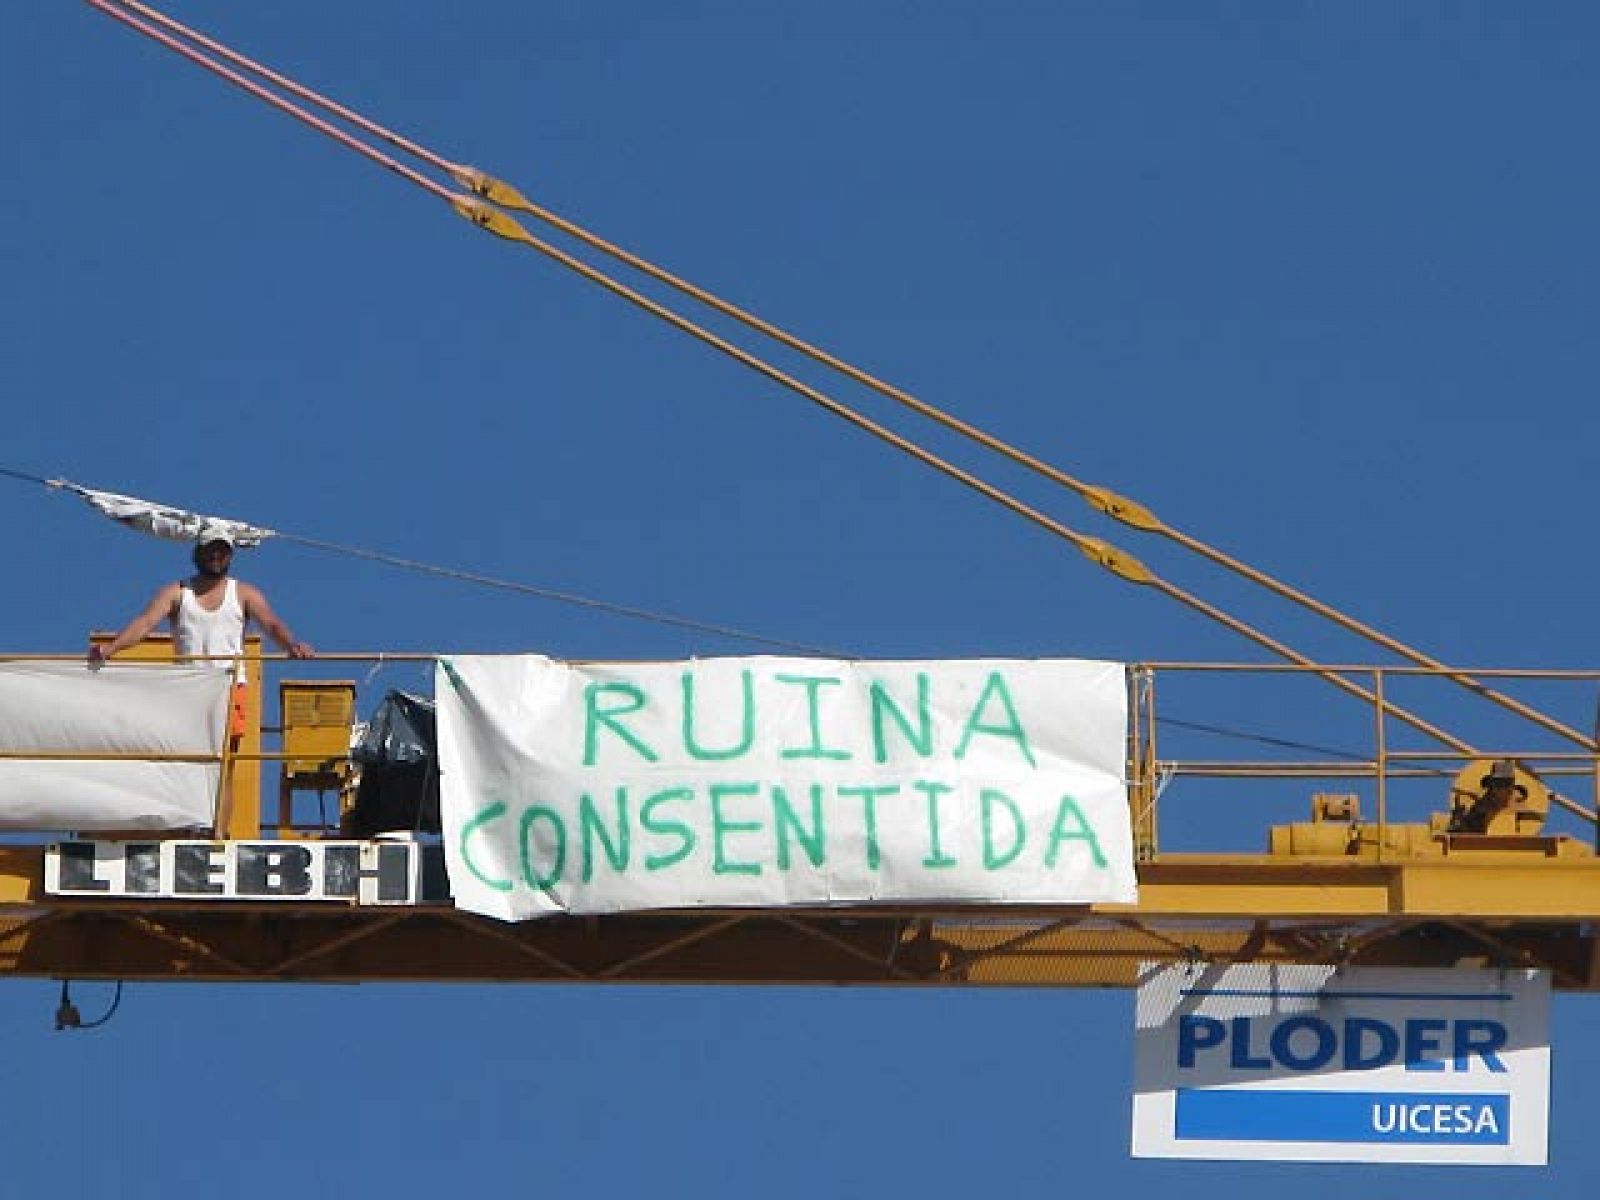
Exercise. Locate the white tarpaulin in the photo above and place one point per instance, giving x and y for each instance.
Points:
(764, 782)
(65, 708)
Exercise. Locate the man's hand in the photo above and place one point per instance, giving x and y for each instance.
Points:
(301, 650)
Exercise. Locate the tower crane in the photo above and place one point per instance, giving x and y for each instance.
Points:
(1486, 878)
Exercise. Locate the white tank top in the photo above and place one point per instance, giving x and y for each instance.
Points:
(199, 632)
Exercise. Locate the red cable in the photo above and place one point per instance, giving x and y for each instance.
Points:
(291, 86)
(277, 101)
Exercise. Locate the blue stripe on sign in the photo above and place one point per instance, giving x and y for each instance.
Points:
(1283, 994)
(1429, 1118)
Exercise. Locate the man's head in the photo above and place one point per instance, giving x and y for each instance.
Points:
(1501, 782)
(1503, 773)
(213, 550)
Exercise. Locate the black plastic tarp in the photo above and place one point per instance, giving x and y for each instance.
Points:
(399, 760)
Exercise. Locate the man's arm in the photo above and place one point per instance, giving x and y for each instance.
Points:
(257, 609)
(158, 610)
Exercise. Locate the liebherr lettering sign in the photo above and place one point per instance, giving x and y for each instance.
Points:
(351, 872)
(779, 781)
(1342, 1065)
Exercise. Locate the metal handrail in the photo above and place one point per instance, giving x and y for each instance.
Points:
(1381, 763)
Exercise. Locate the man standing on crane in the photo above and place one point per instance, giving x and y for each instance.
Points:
(208, 613)
(1501, 792)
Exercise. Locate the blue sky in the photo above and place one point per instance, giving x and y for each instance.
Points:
(1314, 281)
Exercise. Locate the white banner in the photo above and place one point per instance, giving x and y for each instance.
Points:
(1342, 1064)
(764, 782)
(65, 708)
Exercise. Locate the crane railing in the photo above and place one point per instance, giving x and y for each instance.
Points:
(305, 727)
(1402, 777)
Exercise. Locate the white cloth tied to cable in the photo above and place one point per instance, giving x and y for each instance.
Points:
(163, 520)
